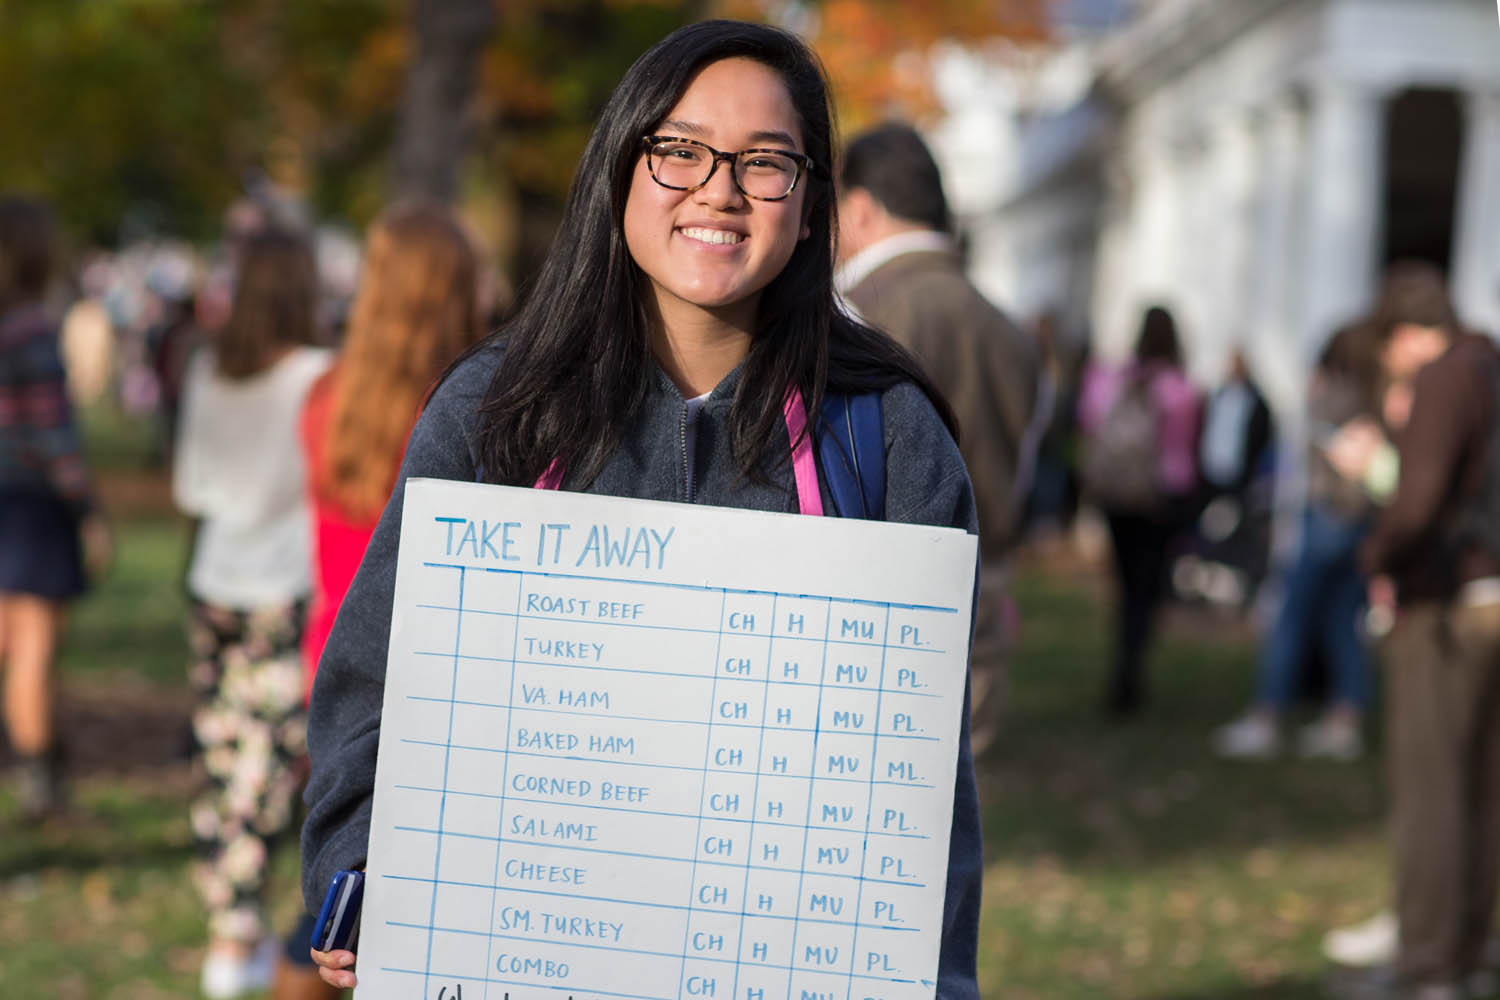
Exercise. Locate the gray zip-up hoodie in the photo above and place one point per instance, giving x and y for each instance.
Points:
(926, 483)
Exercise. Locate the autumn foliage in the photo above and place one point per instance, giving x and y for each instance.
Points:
(159, 111)
(877, 51)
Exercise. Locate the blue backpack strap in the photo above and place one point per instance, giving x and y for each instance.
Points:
(851, 452)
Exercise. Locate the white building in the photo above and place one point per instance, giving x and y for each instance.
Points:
(1252, 164)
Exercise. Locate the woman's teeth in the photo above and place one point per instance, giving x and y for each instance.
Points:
(712, 235)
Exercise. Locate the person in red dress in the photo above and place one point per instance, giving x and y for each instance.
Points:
(416, 310)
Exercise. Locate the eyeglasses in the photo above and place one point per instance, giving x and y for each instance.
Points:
(687, 164)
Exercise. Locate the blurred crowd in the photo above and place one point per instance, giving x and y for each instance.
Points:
(285, 366)
(1380, 504)
(1392, 555)
(281, 372)
(133, 314)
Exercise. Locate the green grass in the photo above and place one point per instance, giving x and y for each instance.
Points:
(132, 626)
(116, 441)
(1122, 859)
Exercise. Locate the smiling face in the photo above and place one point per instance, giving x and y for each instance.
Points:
(708, 254)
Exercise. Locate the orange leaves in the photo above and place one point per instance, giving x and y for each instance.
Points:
(877, 51)
(377, 73)
(512, 81)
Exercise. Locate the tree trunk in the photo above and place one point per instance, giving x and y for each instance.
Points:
(434, 129)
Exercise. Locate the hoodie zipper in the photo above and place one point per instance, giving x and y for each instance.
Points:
(687, 477)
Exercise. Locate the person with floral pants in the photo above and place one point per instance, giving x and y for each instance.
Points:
(238, 469)
(251, 729)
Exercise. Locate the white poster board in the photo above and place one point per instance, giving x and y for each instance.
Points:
(652, 751)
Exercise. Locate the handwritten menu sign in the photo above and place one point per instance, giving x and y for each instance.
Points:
(655, 751)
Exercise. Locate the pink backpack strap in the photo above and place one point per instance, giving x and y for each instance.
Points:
(553, 477)
(804, 465)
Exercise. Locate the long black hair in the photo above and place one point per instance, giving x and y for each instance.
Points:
(578, 361)
(1157, 340)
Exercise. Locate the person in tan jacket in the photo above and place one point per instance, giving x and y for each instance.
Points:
(1435, 573)
(900, 271)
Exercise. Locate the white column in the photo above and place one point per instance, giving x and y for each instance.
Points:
(1140, 265)
(1231, 220)
(1476, 244)
(1279, 155)
(1200, 223)
(1158, 225)
(1341, 223)
(1133, 244)
(1119, 205)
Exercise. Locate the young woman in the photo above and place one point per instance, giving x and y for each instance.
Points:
(416, 310)
(689, 293)
(49, 525)
(1142, 526)
(1323, 590)
(237, 469)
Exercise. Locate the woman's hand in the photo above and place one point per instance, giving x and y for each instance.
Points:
(336, 968)
(1395, 405)
(1381, 615)
(1352, 447)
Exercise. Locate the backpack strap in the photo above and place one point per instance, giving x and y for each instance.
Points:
(851, 450)
(804, 466)
(553, 477)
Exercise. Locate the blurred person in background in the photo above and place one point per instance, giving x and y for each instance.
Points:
(416, 310)
(899, 269)
(1139, 423)
(238, 469)
(52, 536)
(1236, 431)
(243, 219)
(88, 352)
(1323, 592)
(1053, 498)
(170, 342)
(1231, 536)
(1433, 560)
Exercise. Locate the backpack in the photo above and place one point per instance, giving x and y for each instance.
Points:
(1119, 470)
(850, 448)
(851, 452)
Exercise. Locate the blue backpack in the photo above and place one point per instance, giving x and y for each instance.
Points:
(850, 445)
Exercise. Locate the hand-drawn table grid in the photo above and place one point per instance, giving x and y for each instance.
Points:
(788, 793)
